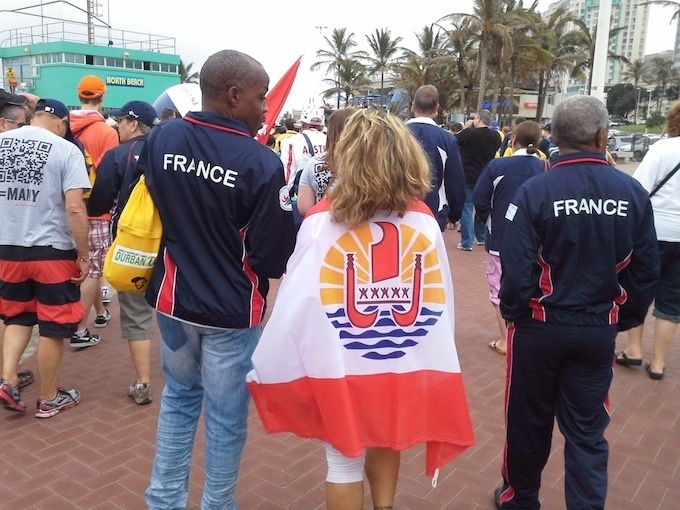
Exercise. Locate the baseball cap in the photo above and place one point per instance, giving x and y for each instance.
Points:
(140, 110)
(13, 99)
(58, 109)
(312, 116)
(91, 87)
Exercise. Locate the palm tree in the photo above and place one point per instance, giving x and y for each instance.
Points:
(635, 72)
(384, 50)
(461, 47)
(185, 74)
(491, 32)
(349, 80)
(561, 46)
(663, 72)
(340, 48)
(587, 40)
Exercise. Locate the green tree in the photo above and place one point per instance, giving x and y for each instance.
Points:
(621, 99)
(635, 72)
(185, 74)
(588, 39)
(489, 28)
(663, 74)
(384, 53)
(340, 48)
(350, 80)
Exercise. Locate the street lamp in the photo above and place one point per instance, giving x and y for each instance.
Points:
(649, 102)
(637, 101)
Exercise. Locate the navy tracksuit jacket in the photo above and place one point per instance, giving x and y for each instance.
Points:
(580, 263)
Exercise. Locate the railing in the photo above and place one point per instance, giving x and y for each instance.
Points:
(77, 32)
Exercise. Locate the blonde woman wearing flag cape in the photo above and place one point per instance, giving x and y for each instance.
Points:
(359, 351)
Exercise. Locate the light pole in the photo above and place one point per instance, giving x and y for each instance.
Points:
(649, 102)
(637, 101)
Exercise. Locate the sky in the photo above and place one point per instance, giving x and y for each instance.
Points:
(277, 32)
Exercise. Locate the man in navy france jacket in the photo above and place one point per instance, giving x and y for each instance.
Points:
(447, 197)
(580, 263)
(224, 234)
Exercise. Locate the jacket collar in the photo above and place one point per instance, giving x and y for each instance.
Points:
(574, 158)
(218, 121)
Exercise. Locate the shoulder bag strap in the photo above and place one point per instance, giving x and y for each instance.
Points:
(665, 179)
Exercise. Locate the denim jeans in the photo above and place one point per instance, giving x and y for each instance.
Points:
(202, 367)
(466, 223)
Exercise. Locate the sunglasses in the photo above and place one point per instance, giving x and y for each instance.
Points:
(19, 124)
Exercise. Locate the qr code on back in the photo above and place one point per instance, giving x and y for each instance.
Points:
(23, 161)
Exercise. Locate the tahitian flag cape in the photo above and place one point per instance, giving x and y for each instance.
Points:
(359, 350)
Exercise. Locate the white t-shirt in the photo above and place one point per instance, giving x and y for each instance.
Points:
(316, 176)
(656, 165)
(37, 168)
(295, 151)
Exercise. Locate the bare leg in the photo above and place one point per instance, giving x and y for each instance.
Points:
(501, 344)
(50, 351)
(15, 341)
(98, 303)
(382, 471)
(140, 352)
(344, 496)
(88, 293)
(664, 331)
(634, 348)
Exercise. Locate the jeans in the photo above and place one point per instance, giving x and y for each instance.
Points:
(466, 223)
(202, 366)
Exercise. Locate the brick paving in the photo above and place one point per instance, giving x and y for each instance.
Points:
(98, 455)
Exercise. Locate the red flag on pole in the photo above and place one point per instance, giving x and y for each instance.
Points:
(276, 98)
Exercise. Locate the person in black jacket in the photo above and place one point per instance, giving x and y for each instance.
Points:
(115, 179)
(225, 234)
(580, 263)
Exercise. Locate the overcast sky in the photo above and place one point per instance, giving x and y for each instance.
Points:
(277, 32)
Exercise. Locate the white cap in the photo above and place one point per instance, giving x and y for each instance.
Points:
(313, 117)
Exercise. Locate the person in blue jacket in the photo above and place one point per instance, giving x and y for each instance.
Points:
(224, 235)
(494, 190)
(580, 263)
(447, 197)
(116, 176)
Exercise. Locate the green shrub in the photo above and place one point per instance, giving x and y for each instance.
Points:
(655, 119)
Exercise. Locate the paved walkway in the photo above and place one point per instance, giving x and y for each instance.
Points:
(98, 455)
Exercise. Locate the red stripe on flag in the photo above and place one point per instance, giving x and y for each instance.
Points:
(276, 98)
(387, 410)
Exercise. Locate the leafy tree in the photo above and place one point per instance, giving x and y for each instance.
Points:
(185, 74)
(662, 72)
(655, 119)
(621, 99)
(349, 80)
(489, 29)
(340, 49)
(588, 39)
(635, 72)
(383, 54)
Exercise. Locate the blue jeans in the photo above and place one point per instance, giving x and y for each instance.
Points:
(202, 366)
(466, 223)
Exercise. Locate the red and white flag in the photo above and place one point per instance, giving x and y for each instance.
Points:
(359, 350)
(276, 98)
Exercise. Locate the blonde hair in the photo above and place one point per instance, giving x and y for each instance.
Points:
(379, 166)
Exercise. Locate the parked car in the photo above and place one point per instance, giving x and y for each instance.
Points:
(639, 147)
(617, 120)
(614, 142)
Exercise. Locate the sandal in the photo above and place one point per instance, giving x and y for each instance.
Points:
(494, 345)
(25, 378)
(653, 375)
(623, 359)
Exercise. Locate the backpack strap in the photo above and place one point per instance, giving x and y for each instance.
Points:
(664, 181)
(309, 143)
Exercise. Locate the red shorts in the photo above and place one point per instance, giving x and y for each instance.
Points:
(35, 288)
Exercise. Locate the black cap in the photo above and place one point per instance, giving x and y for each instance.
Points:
(13, 99)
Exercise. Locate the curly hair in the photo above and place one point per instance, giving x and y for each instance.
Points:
(673, 121)
(379, 166)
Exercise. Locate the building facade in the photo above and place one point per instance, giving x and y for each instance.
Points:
(50, 60)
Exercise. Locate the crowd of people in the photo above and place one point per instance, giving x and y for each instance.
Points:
(359, 351)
